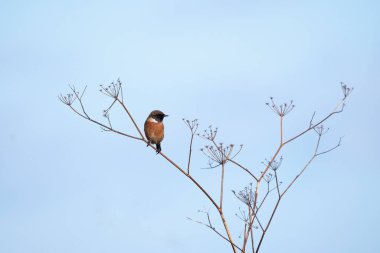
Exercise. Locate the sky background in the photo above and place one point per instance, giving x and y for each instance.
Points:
(65, 186)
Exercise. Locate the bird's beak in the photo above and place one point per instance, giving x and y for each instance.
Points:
(166, 115)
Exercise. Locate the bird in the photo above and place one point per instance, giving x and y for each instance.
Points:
(154, 128)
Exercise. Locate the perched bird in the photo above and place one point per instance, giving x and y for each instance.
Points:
(154, 128)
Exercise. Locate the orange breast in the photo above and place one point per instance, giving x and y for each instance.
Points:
(154, 132)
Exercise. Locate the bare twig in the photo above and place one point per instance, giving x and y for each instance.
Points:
(193, 126)
(222, 187)
(242, 167)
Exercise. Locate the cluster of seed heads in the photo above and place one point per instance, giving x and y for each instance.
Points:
(274, 165)
(113, 90)
(71, 97)
(247, 195)
(68, 99)
(346, 90)
(209, 133)
(280, 110)
(191, 124)
(269, 177)
(218, 154)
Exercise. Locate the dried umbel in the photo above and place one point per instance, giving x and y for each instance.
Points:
(346, 90)
(247, 195)
(113, 90)
(274, 164)
(191, 124)
(282, 109)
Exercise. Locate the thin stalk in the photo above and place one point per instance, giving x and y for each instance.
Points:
(130, 116)
(221, 187)
(190, 150)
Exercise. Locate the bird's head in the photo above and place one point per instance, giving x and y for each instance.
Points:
(157, 115)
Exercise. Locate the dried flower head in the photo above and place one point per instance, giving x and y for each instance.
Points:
(274, 165)
(280, 110)
(114, 90)
(192, 125)
(247, 195)
(68, 99)
(209, 134)
(346, 90)
(219, 153)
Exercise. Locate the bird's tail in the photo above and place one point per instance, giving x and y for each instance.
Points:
(158, 146)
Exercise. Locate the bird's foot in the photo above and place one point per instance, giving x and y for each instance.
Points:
(158, 148)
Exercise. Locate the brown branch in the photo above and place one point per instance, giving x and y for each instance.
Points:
(252, 242)
(258, 221)
(250, 212)
(281, 117)
(227, 231)
(104, 126)
(221, 187)
(242, 167)
(313, 126)
(331, 149)
(225, 159)
(263, 200)
(277, 185)
(190, 150)
(315, 155)
(193, 127)
(269, 222)
(190, 177)
(271, 161)
(298, 175)
(130, 116)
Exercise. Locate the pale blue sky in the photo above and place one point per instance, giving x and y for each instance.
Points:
(67, 187)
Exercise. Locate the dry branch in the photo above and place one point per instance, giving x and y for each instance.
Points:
(220, 156)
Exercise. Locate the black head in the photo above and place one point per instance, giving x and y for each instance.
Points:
(158, 115)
